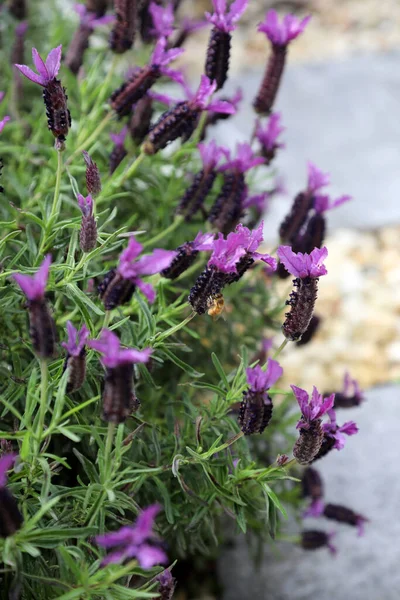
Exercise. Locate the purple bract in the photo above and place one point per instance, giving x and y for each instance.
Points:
(260, 380)
(46, 71)
(6, 462)
(280, 34)
(304, 265)
(211, 154)
(110, 346)
(76, 339)
(311, 408)
(163, 19)
(225, 19)
(268, 134)
(86, 205)
(89, 19)
(34, 286)
(245, 159)
(316, 178)
(332, 430)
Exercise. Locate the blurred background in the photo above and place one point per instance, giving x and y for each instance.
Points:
(340, 105)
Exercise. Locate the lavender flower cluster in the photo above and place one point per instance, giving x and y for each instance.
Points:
(232, 235)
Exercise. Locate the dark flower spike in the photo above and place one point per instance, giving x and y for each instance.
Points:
(18, 9)
(268, 136)
(312, 485)
(119, 399)
(99, 7)
(351, 395)
(42, 326)
(307, 268)
(187, 254)
(123, 33)
(143, 78)
(93, 181)
(167, 585)
(55, 99)
(311, 432)
(313, 539)
(256, 407)
(88, 231)
(140, 121)
(342, 514)
(310, 332)
(135, 541)
(118, 152)
(163, 19)
(182, 119)
(195, 195)
(228, 207)
(76, 356)
(10, 516)
(280, 35)
(120, 283)
(80, 42)
(218, 52)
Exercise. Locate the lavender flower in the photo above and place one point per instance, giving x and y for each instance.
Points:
(229, 261)
(342, 514)
(163, 19)
(88, 232)
(280, 35)
(316, 178)
(228, 206)
(42, 326)
(135, 541)
(334, 436)
(351, 395)
(118, 152)
(312, 486)
(76, 356)
(311, 432)
(120, 283)
(256, 408)
(194, 197)
(143, 78)
(119, 399)
(18, 9)
(219, 45)
(313, 539)
(123, 33)
(80, 41)
(3, 122)
(268, 136)
(93, 182)
(10, 516)
(184, 117)
(187, 253)
(310, 332)
(307, 268)
(167, 585)
(214, 116)
(54, 96)
(98, 7)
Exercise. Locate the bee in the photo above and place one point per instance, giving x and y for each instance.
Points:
(215, 305)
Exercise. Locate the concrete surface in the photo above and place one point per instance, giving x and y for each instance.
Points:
(364, 477)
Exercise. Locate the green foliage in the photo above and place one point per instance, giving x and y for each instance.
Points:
(179, 448)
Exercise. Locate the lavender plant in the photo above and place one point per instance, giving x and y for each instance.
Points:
(115, 469)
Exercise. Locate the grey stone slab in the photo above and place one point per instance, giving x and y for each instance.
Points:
(363, 476)
(345, 117)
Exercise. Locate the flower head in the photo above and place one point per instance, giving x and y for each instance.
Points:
(332, 430)
(110, 346)
(260, 380)
(90, 19)
(163, 19)
(133, 541)
(130, 267)
(34, 287)
(311, 408)
(316, 178)
(225, 19)
(86, 205)
(21, 29)
(351, 389)
(202, 98)
(203, 241)
(280, 34)
(245, 159)
(119, 138)
(211, 154)
(243, 241)
(304, 265)
(3, 122)
(76, 339)
(6, 462)
(46, 71)
(315, 509)
(162, 57)
(322, 203)
(268, 135)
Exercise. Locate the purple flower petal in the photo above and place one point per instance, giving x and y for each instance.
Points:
(211, 154)
(149, 556)
(6, 462)
(315, 509)
(40, 65)
(303, 265)
(116, 538)
(145, 522)
(225, 20)
(301, 397)
(119, 138)
(34, 287)
(221, 106)
(245, 159)
(163, 19)
(260, 380)
(268, 134)
(280, 34)
(110, 346)
(203, 241)
(316, 178)
(3, 122)
(154, 263)
(86, 205)
(31, 75)
(53, 62)
(76, 339)
(147, 290)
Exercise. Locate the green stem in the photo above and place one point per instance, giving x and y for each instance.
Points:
(44, 374)
(130, 170)
(200, 127)
(173, 329)
(107, 451)
(55, 209)
(290, 463)
(85, 145)
(175, 223)
(281, 347)
(107, 318)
